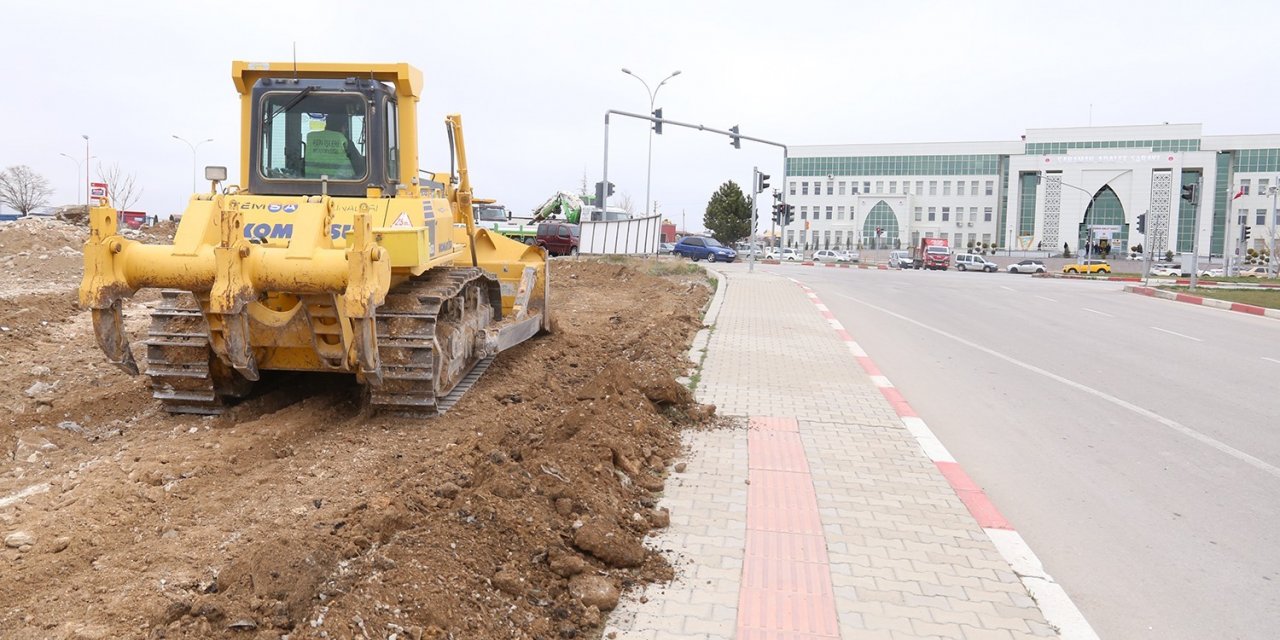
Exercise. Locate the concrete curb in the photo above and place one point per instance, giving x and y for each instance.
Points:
(700, 340)
(830, 265)
(1227, 305)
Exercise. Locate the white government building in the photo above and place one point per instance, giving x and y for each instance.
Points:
(1043, 191)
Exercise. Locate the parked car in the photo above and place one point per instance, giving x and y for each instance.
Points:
(901, 260)
(974, 262)
(1027, 266)
(850, 256)
(829, 255)
(698, 247)
(746, 253)
(666, 247)
(558, 238)
(1088, 266)
(1256, 271)
(777, 253)
(1211, 273)
(1166, 270)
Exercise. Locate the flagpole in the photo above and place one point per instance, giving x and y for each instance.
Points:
(1226, 223)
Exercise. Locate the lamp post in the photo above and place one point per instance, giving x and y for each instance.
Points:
(653, 94)
(1088, 245)
(1271, 256)
(193, 147)
(86, 170)
(76, 190)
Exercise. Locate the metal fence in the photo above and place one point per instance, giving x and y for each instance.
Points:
(632, 236)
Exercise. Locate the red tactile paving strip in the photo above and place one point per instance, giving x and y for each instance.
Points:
(786, 591)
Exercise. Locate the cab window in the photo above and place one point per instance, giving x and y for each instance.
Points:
(309, 134)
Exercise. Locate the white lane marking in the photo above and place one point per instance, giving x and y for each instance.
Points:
(1046, 298)
(1175, 333)
(1097, 312)
(1007, 288)
(1271, 360)
(1053, 600)
(1124, 404)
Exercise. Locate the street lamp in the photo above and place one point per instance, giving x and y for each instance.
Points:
(1271, 256)
(86, 170)
(653, 94)
(194, 147)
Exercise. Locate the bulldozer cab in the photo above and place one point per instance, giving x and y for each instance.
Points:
(339, 132)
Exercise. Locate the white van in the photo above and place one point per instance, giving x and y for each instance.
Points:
(974, 262)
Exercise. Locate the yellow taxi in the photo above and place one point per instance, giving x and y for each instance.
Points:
(1088, 266)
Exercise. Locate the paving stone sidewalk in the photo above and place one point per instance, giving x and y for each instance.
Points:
(823, 518)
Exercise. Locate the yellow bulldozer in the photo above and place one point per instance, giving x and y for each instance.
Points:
(334, 253)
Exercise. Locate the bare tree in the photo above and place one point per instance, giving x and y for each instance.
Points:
(121, 190)
(23, 189)
(624, 201)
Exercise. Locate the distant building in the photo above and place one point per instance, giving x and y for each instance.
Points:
(1055, 186)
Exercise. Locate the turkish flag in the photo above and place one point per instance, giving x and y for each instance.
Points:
(1238, 193)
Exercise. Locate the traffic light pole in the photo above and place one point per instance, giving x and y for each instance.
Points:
(733, 134)
(755, 183)
(1195, 237)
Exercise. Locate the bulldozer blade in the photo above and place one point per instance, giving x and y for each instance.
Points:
(108, 327)
(236, 334)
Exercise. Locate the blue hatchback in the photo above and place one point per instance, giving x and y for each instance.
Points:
(697, 247)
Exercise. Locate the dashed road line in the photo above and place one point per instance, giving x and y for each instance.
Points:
(1046, 298)
(1098, 312)
(1180, 335)
(1007, 288)
(1271, 360)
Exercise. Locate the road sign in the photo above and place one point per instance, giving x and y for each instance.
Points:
(98, 192)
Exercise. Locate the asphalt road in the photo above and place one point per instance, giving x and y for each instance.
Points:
(1133, 442)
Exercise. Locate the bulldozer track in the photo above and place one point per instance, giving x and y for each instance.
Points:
(179, 360)
(411, 334)
(413, 328)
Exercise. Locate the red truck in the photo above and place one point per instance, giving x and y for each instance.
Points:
(933, 253)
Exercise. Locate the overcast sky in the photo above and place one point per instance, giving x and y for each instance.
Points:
(533, 79)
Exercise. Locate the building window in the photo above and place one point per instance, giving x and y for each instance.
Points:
(830, 187)
(955, 240)
(853, 188)
(829, 212)
(791, 237)
(973, 214)
(946, 187)
(986, 238)
(919, 213)
(839, 213)
(973, 238)
(919, 187)
(1244, 185)
(959, 187)
(1242, 216)
(841, 187)
(826, 239)
(990, 187)
(893, 186)
(838, 234)
(866, 186)
(946, 214)
(1263, 183)
(915, 238)
(986, 214)
(792, 188)
(973, 188)
(804, 188)
(879, 186)
(928, 234)
(1262, 216)
(933, 187)
(933, 215)
(804, 213)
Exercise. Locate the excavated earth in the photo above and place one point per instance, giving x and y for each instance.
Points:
(519, 514)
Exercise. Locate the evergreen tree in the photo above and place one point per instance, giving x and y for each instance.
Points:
(728, 215)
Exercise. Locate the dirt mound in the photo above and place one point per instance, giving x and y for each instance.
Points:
(39, 255)
(517, 515)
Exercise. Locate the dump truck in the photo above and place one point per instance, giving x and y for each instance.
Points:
(333, 253)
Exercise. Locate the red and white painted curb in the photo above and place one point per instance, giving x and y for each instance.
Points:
(1238, 307)
(831, 265)
(1055, 604)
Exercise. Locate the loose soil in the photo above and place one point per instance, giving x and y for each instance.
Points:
(519, 514)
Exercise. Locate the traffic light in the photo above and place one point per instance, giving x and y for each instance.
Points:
(1142, 223)
(1245, 233)
(777, 195)
(762, 181)
(657, 126)
(601, 195)
(1189, 193)
(779, 214)
(790, 214)
(879, 231)
(736, 141)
